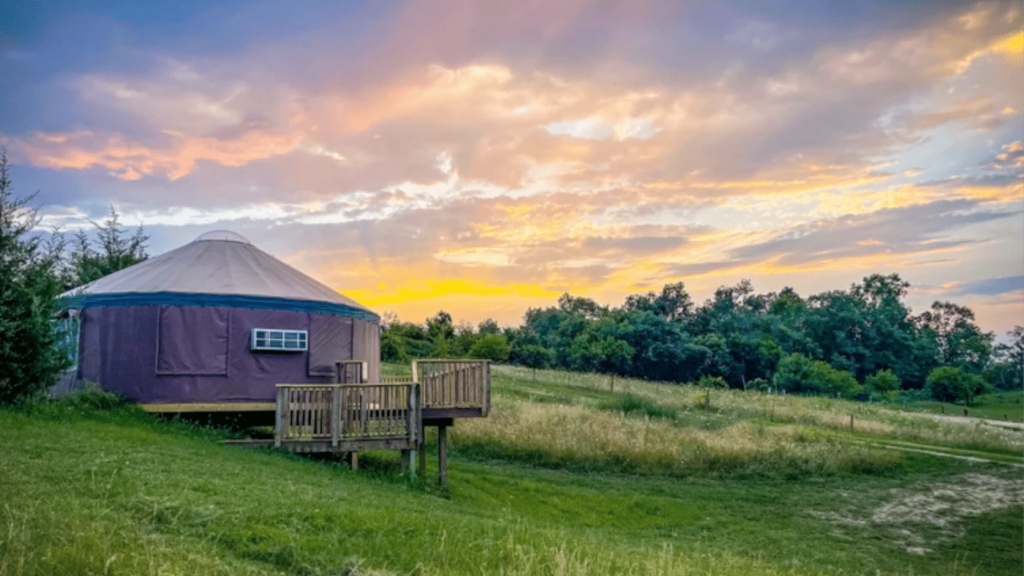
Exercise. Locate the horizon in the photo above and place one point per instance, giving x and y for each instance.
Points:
(484, 159)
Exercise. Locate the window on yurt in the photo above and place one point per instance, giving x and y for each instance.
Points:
(193, 341)
(67, 326)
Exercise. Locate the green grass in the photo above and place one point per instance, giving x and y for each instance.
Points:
(636, 405)
(94, 487)
(1005, 406)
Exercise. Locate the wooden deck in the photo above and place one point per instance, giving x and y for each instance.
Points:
(347, 417)
(454, 389)
(352, 415)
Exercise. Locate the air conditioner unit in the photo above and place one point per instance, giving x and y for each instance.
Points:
(279, 340)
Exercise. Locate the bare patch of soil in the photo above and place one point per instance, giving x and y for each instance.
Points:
(932, 512)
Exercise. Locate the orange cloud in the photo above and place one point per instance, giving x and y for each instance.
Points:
(130, 161)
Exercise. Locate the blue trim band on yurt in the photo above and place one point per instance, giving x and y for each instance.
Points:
(215, 300)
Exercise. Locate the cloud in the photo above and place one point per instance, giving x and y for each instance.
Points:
(913, 229)
(987, 287)
(593, 145)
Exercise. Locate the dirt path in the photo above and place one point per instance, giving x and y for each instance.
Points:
(968, 420)
(946, 454)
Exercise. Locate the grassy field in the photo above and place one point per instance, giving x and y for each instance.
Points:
(565, 477)
(1006, 406)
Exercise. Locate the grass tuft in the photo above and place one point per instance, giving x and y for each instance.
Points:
(633, 404)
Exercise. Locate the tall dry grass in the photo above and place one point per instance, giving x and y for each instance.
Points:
(584, 437)
(819, 412)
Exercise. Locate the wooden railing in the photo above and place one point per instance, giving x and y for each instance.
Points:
(396, 379)
(454, 383)
(351, 371)
(339, 413)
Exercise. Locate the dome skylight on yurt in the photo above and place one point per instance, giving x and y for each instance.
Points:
(222, 235)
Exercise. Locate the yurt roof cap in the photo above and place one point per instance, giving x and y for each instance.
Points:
(222, 235)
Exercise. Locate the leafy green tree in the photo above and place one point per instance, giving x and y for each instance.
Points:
(824, 379)
(793, 373)
(709, 382)
(580, 306)
(799, 374)
(29, 357)
(953, 384)
(673, 303)
(959, 340)
(401, 341)
(532, 356)
(488, 326)
(493, 347)
(392, 347)
(463, 341)
(883, 384)
(439, 347)
(440, 325)
(609, 355)
(1007, 370)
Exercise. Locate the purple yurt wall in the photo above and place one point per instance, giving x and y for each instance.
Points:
(216, 321)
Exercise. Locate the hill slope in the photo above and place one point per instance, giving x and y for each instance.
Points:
(108, 490)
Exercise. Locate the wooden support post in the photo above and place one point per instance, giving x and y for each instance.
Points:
(353, 460)
(422, 464)
(281, 425)
(442, 456)
(851, 422)
(335, 416)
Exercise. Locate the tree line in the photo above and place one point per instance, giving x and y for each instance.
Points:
(862, 343)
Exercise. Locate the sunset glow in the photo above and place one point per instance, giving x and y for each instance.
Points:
(485, 157)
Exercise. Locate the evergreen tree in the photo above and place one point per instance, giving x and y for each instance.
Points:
(29, 358)
(117, 250)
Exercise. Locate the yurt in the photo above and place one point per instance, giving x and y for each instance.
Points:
(214, 325)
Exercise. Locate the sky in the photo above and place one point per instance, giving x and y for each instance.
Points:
(485, 157)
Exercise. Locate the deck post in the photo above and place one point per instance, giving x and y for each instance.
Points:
(487, 383)
(407, 467)
(281, 424)
(422, 452)
(442, 455)
(353, 460)
(335, 420)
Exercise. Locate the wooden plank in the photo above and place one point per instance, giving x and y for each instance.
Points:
(429, 413)
(209, 407)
